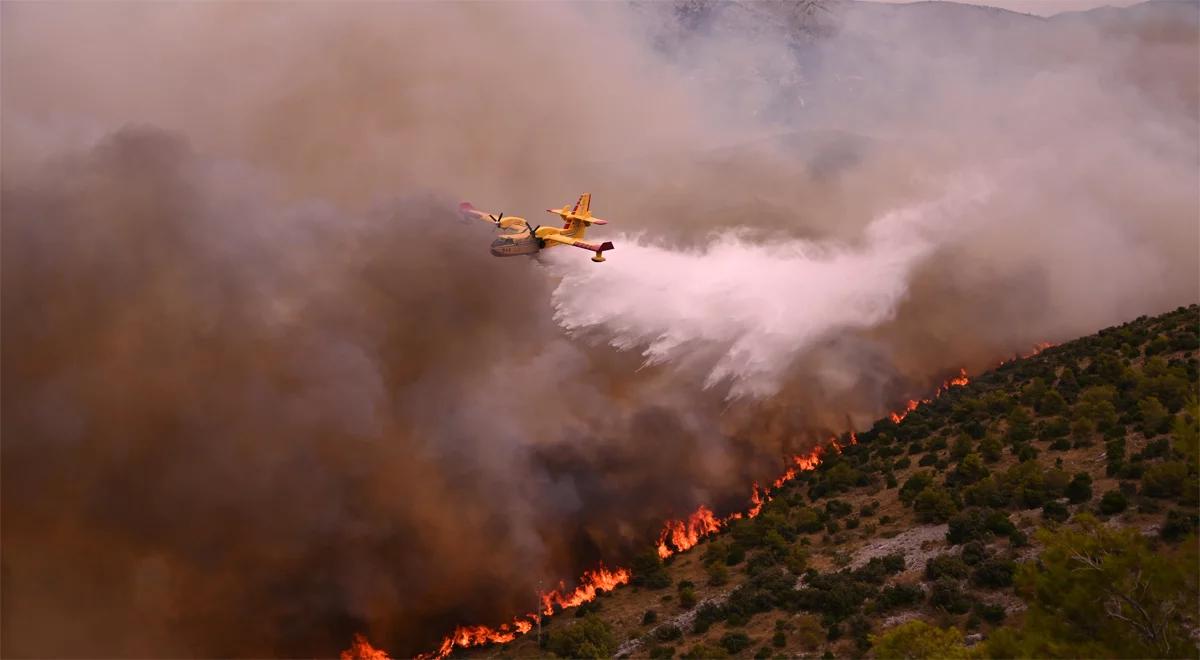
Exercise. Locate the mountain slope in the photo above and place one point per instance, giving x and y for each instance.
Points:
(936, 519)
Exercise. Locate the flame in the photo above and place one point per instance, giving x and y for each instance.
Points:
(958, 381)
(897, 417)
(590, 585)
(757, 500)
(676, 536)
(361, 649)
(961, 380)
(684, 534)
(1037, 348)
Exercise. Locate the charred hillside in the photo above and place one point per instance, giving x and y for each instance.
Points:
(956, 527)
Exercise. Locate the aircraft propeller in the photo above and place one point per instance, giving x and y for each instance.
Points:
(495, 219)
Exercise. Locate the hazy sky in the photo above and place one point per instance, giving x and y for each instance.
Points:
(1042, 7)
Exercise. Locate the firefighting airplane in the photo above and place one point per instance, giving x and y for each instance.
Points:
(517, 238)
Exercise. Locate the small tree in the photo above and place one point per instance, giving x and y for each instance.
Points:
(1104, 592)
(589, 638)
(1155, 418)
(1113, 502)
(917, 639)
(1080, 488)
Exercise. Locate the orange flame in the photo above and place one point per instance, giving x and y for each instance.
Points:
(758, 500)
(1037, 348)
(676, 536)
(591, 584)
(361, 649)
(684, 534)
(960, 380)
(897, 417)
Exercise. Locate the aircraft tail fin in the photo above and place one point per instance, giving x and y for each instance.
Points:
(581, 207)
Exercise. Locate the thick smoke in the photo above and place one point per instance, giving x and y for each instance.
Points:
(263, 389)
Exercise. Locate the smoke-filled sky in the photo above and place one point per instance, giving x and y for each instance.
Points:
(264, 389)
(1040, 7)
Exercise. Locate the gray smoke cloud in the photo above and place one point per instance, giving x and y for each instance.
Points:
(264, 389)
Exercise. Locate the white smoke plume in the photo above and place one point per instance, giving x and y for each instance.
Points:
(749, 308)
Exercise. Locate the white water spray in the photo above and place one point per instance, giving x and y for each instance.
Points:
(747, 310)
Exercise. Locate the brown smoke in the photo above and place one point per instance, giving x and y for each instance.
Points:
(263, 390)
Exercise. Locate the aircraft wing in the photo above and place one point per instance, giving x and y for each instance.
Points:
(591, 247)
(469, 212)
(558, 238)
(512, 224)
(514, 228)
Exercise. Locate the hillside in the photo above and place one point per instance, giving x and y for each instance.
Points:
(1048, 507)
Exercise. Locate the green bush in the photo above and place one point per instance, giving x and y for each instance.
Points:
(717, 573)
(649, 617)
(946, 594)
(1178, 525)
(736, 554)
(1080, 488)
(991, 449)
(917, 639)
(973, 552)
(898, 596)
(1164, 479)
(914, 485)
(934, 504)
(1055, 511)
(735, 641)
(1113, 502)
(993, 614)
(994, 573)
(668, 633)
(706, 615)
(945, 566)
(589, 638)
(703, 651)
(648, 571)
